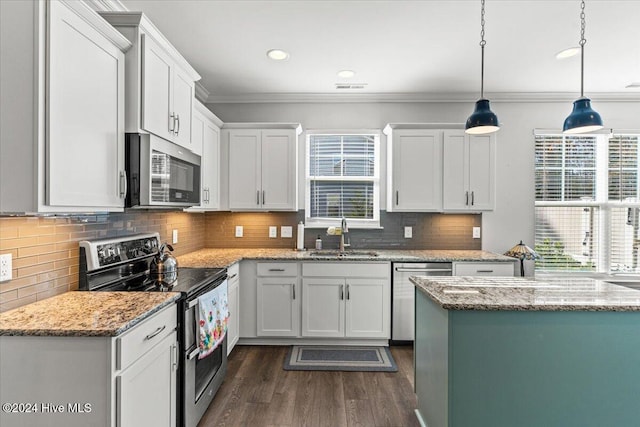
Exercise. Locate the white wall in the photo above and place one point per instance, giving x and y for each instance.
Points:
(513, 218)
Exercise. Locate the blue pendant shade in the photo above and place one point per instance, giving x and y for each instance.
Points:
(482, 120)
(583, 118)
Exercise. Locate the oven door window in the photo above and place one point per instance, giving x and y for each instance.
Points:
(206, 369)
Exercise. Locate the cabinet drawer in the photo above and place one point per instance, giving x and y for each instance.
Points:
(341, 269)
(233, 273)
(483, 269)
(141, 338)
(277, 269)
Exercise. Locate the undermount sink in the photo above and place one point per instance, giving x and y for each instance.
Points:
(329, 253)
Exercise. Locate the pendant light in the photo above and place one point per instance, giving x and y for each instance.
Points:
(482, 120)
(583, 118)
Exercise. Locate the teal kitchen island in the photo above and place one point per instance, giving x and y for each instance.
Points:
(510, 352)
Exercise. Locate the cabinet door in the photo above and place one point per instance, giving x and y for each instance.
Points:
(323, 307)
(85, 135)
(211, 166)
(368, 308)
(182, 106)
(417, 171)
(279, 172)
(244, 169)
(146, 390)
(482, 154)
(456, 168)
(156, 90)
(278, 307)
(233, 325)
(197, 133)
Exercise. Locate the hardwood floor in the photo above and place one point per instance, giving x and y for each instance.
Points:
(258, 392)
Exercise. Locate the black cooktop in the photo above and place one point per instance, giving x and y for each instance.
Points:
(188, 282)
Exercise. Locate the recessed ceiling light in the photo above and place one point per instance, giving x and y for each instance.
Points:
(278, 54)
(633, 85)
(346, 74)
(568, 53)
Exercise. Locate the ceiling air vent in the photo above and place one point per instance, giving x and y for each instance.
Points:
(351, 85)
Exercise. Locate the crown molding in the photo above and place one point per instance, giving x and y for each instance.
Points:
(106, 5)
(201, 92)
(417, 97)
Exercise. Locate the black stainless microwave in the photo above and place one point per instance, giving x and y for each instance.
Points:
(160, 174)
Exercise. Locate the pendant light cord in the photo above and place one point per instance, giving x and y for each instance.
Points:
(582, 43)
(482, 44)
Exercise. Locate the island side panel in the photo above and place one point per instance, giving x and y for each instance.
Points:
(541, 368)
(60, 375)
(431, 361)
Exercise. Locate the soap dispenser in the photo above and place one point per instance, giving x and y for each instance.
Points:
(318, 243)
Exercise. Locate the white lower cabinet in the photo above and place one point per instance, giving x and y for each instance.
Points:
(233, 298)
(278, 300)
(346, 300)
(483, 269)
(146, 390)
(127, 380)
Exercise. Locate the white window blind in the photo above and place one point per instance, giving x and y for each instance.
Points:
(342, 178)
(587, 202)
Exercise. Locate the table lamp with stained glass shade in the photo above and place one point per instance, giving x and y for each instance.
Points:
(522, 252)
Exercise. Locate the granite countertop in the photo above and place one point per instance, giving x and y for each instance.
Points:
(79, 313)
(526, 294)
(226, 257)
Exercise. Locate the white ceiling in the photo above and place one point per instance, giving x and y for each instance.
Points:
(402, 49)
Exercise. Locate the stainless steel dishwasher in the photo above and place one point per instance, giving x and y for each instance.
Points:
(403, 308)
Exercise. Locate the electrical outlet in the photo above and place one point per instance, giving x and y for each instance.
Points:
(5, 267)
(408, 232)
(273, 232)
(239, 231)
(476, 232)
(286, 231)
(174, 236)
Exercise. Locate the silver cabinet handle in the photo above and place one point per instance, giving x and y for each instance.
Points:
(348, 297)
(123, 184)
(193, 354)
(293, 286)
(172, 123)
(276, 269)
(397, 196)
(472, 198)
(466, 196)
(232, 276)
(341, 292)
(155, 333)
(178, 122)
(263, 202)
(257, 197)
(484, 271)
(174, 357)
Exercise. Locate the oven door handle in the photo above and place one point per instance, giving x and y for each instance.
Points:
(193, 303)
(193, 354)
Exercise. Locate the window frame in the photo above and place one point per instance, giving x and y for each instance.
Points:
(318, 222)
(601, 202)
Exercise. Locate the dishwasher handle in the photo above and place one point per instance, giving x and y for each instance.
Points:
(423, 270)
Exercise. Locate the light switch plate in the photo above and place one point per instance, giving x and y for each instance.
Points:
(239, 231)
(286, 231)
(5, 267)
(273, 232)
(174, 235)
(408, 232)
(476, 232)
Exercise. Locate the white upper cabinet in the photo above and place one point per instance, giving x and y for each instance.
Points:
(62, 109)
(160, 82)
(469, 172)
(205, 141)
(263, 172)
(414, 168)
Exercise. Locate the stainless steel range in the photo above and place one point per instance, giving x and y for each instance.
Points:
(123, 264)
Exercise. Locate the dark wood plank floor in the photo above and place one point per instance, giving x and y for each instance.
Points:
(258, 392)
